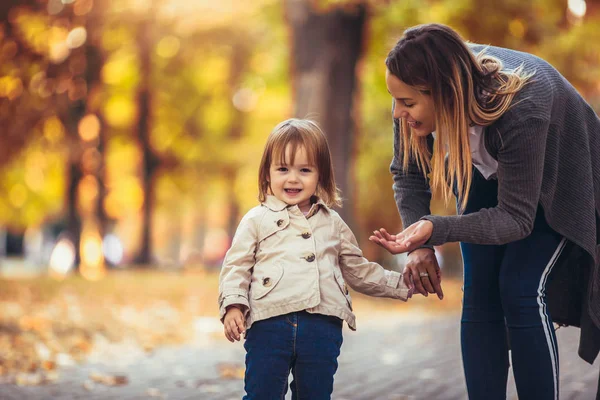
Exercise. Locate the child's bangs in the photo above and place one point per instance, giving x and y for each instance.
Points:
(294, 142)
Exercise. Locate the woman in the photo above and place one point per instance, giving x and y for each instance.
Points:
(520, 148)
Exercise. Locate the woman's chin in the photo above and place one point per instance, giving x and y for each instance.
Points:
(420, 131)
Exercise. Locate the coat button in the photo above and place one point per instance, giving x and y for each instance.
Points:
(306, 235)
(279, 222)
(266, 282)
(345, 288)
(310, 258)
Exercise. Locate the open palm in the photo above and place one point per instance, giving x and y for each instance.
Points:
(409, 239)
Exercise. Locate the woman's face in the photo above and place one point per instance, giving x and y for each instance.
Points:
(412, 105)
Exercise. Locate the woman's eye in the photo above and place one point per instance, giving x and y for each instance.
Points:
(408, 105)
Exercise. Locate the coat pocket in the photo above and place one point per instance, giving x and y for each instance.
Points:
(266, 280)
(343, 287)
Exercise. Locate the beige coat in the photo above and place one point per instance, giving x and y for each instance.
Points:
(282, 261)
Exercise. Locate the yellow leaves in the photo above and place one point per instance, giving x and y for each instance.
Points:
(33, 28)
(18, 195)
(34, 171)
(163, 134)
(109, 380)
(168, 46)
(120, 111)
(126, 196)
(120, 69)
(231, 370)
(34, 323)
(217, 116)
(213, 73)
(54, 131)
(115, 37)
(10, 87)
(517, 28)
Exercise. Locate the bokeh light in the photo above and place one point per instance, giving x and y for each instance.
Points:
(89, 127)
(62, 258)
(77, 37)
(92, 258)
(577, 7)
(112, 249)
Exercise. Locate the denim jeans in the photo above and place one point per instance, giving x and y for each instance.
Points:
(306, 344)
(504, 303)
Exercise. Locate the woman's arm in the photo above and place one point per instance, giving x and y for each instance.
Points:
(520, 172)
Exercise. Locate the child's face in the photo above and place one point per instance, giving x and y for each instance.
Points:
(294, 184)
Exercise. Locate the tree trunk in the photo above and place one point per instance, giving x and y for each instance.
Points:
(149, 160)
(238, 65)
(74, 223)
(326, 48)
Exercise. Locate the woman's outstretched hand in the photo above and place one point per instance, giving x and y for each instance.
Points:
(422, 269)
(409, 239)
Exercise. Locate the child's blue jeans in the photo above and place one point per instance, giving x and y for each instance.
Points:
(307, 344)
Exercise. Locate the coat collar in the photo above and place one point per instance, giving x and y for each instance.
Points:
(274, 204)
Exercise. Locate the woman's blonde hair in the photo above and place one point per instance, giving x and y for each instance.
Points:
(306, 134)
(465, 88)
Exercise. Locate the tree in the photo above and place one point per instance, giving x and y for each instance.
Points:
(326, 48)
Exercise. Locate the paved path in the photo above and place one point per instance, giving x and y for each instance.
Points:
(405, 357)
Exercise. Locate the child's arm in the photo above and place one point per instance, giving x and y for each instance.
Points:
(368, 277)
(234, 281)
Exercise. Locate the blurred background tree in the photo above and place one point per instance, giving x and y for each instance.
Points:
(131, 131)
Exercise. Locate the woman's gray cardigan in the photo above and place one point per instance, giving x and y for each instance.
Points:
(548, 150)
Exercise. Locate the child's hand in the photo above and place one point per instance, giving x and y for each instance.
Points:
(234, 323)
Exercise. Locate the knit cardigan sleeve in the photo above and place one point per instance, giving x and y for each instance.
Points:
(520, 169)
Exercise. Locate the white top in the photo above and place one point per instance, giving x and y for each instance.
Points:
(482, 160)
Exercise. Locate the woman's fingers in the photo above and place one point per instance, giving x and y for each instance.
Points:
(390, 246)
(434, 278)
(386, 235)
(418, 281)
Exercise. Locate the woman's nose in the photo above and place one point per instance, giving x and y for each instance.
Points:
(400, 113)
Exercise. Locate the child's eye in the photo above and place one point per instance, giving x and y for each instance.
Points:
(282, 169)
(306, 170)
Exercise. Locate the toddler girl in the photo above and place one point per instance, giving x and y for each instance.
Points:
(283, 282)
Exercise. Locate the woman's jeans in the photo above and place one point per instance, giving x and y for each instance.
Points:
(307, 344)
(504, 307)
